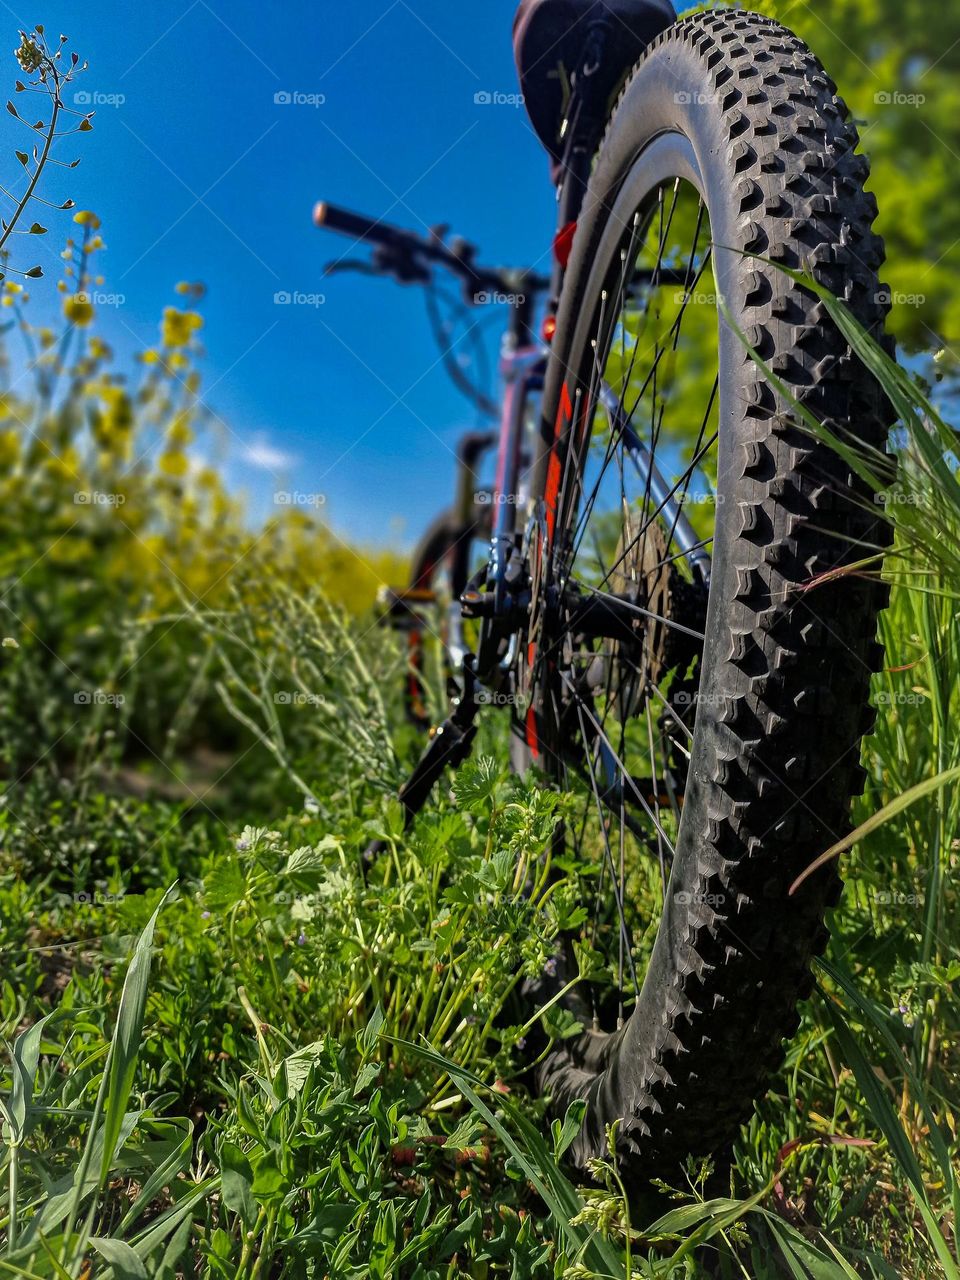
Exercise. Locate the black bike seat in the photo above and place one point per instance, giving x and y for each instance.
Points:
(549, 41)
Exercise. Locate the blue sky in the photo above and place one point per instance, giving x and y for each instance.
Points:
(199, 174)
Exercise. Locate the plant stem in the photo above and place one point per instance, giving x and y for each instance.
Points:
(48, 141)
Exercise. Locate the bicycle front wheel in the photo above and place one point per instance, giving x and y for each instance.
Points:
(700, 648)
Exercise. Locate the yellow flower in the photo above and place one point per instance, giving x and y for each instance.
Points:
(11, 286)
(119, 407)
(78, 310)
(29, 55)
(179, 326)
(86, 218)
(9, 449)
(180, 434)
(63, 466)
(173, 462)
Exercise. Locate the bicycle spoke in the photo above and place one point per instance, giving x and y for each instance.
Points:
(625, 943)
(630, 544)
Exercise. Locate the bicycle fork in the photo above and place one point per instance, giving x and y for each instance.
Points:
(450, 744)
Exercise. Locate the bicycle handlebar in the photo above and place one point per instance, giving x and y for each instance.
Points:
(333, 218)
(404, 254)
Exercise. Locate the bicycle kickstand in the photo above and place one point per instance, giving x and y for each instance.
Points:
(449, 746)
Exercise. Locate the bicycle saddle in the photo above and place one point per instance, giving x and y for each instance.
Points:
(550, 38)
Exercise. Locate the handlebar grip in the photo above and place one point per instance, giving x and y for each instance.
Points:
(332, 218)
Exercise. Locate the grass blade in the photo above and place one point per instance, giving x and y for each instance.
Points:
(556, 1191)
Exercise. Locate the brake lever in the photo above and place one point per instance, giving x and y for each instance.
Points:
(404, 267)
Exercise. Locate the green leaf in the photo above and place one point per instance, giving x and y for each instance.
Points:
(465, 1134)
(311, 860)
(164, 1175)
(537, 1163)
(167, 1270)
(458, 1236)
(367, 1074)
(22, 157)
(125, 1044)
(804, 1259)
(683, 1219)
(296, 1068)
(26, 1057)
(224, 885)
(564, 1134)
(122, 1259)
(476, 783)
(236, 1178)
(877, 1099)
(897, 805)
(879, 1020)
(268, 1180)
(371, 1032)
(173, 1218)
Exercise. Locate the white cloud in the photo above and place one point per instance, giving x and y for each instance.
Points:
(266, 456)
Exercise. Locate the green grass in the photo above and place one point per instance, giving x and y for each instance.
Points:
(235, 1048)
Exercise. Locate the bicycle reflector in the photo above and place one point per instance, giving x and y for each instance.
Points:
(549, 327)
(563, 243)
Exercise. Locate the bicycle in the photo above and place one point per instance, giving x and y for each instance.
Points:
(679, 595)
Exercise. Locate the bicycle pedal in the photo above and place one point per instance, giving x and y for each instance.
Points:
(477, 604)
